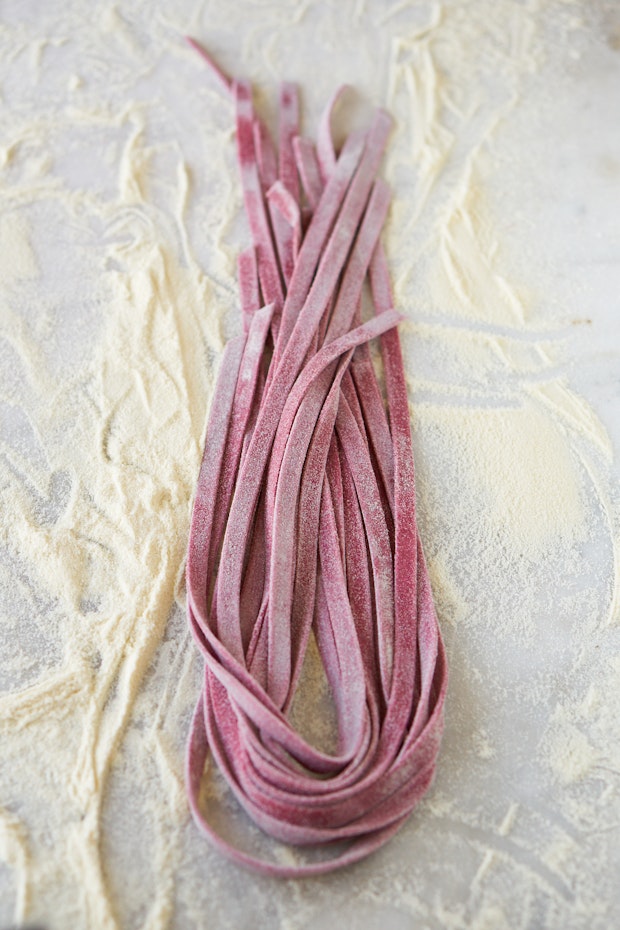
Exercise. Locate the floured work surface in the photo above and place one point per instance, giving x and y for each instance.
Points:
(121, 221)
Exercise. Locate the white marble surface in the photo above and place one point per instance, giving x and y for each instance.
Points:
(553, 187)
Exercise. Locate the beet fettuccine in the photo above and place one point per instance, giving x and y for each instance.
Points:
(304, 517)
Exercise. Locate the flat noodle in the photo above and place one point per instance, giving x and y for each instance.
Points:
(287, 233)
(309, 171)
(249, 288)
(304, 517)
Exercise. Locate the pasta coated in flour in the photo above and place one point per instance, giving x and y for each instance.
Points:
(304, 515)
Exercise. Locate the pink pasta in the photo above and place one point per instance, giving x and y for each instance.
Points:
(304, 516)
